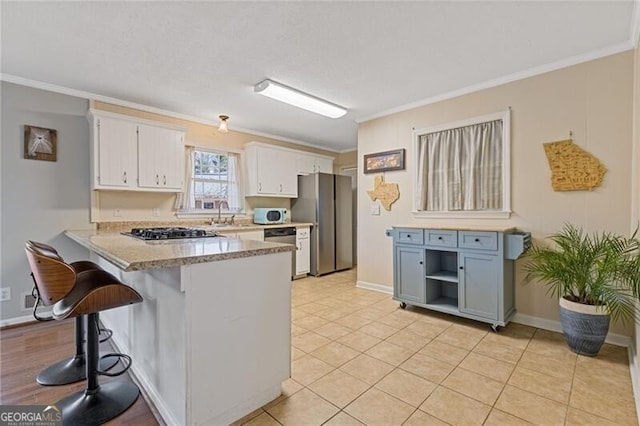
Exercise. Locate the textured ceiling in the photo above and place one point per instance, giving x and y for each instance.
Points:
(203, 58)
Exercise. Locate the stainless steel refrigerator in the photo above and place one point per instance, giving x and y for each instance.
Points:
(326, 201)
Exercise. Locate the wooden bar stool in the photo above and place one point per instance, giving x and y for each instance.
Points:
(74, 294)
(72, 369)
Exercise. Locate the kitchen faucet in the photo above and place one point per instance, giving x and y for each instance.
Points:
(213, 220)
(219, 221)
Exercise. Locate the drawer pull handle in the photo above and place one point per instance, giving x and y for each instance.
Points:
(477, 240)
(440, 238)
(408, 235)
(462, 267)
(420, 262)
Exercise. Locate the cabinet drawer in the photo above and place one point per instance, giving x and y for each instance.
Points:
(302, 233)
(441, 238)
(478, 240)
(411, 236)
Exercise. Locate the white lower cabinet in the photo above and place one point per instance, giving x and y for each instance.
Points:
(303, 251)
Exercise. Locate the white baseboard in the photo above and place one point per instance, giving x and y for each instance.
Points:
(21, 320)
(375, 287)
(634, 370)
(143, 382)
(552, 325)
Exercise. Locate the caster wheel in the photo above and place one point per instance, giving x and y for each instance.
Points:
(495, 328)
(403, 305)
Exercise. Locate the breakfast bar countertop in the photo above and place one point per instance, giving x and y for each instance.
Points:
(132, 254)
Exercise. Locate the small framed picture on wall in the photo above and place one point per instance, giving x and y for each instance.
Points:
(40, 143)
(384, 161)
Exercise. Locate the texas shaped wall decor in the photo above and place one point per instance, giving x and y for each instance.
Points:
(387, 193)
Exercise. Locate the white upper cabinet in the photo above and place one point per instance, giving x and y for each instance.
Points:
(114, 153)
(271, 171)
(310, 163)
(135, 154)
(160, 158)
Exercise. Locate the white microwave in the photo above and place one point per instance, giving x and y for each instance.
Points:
(268, 216)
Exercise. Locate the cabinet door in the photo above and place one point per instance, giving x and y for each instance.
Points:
(324, 165)
(303, 254)
(159, 165)
(288, 177)
(305, 164)
(478, 285)
(409, 283)
(175, 162)
(116, 149)
(269, 172)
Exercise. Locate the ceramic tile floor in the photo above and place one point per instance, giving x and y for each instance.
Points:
(357, 358)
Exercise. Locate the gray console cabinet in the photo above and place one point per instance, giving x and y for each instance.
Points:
(468, 273)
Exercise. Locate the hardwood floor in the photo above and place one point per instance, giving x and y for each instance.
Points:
(26, 350)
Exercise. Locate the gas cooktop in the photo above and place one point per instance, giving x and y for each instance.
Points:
(169, 233)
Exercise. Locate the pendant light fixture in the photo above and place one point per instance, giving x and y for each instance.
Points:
(299, 99)
(223, 124)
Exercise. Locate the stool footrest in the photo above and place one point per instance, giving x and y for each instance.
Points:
(126, 359)
(107, 332)
(109, 400)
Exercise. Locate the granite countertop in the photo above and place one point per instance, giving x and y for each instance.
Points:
(488, 228)
(238, 227)
(132, 254)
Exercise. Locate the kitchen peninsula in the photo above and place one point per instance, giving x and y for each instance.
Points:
(211, 340)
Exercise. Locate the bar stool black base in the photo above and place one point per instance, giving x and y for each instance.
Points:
(71, 370)
(106, 402)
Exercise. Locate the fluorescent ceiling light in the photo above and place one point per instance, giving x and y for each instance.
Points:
(299, 99)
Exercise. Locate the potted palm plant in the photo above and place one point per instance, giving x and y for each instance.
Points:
(596, 278)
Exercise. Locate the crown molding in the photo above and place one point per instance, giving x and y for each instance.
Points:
(344, 151)
(119, 102)
(531, 72)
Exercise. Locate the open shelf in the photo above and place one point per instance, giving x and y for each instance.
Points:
(449, 276)
(444, 304)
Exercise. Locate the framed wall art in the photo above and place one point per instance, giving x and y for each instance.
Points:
(384, 161)
(40, 143)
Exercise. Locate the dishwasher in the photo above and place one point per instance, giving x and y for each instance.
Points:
(284, 235)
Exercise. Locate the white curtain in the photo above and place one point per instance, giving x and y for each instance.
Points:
(461, 169)
(184, 199)
(233, 182)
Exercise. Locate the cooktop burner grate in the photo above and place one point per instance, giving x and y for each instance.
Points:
(173, 233)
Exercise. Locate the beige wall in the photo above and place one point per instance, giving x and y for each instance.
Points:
(345, 159)
(139, 206)
(593, 100)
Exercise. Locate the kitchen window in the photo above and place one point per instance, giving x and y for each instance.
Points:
(462, 169)
(215, 182)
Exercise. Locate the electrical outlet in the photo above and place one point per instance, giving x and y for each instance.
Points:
(5, 294)
(375, 209)
(156, 212)
(117, 213)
